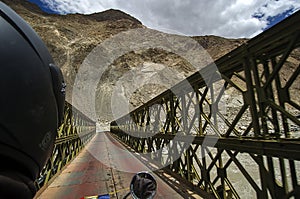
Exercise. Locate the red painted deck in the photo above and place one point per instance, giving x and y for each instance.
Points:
(103, 166)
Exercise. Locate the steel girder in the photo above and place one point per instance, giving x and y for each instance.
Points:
(76, 131)
(236, 129)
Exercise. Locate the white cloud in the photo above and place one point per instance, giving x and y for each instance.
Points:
(273, 8)
(78, 6)
(232, 18)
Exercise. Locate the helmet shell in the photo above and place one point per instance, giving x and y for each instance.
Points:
(28, 104)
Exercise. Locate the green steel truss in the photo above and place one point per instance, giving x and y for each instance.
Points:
(249, 147)
(76, 131)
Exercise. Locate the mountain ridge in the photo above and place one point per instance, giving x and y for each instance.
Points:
(70, 38)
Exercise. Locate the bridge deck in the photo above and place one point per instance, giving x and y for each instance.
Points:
(96, 171)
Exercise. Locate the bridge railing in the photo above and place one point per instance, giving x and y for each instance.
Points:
(238, 133)
(73, 134)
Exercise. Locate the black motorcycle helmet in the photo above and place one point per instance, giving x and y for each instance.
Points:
(32, 95)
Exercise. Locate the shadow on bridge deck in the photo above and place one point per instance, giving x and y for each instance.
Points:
(96, 170)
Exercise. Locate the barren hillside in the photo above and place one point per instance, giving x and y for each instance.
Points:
(70, 39)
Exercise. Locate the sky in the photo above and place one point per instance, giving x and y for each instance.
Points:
(226, 18)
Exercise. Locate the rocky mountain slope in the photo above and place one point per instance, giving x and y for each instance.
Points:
(70, 39)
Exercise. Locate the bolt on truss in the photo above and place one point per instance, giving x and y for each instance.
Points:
(72, 135)
(234, 132)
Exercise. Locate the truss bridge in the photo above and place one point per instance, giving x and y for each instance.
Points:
(233, 132)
